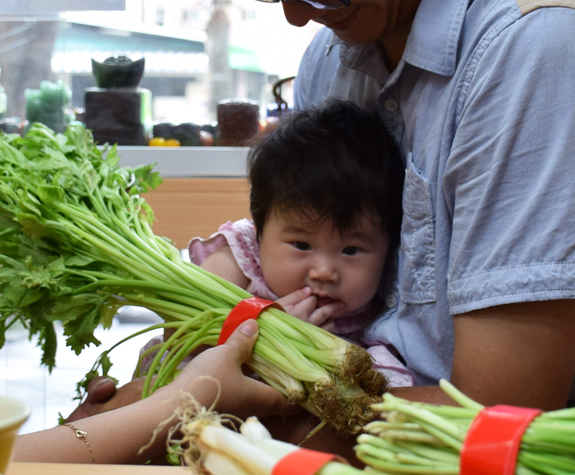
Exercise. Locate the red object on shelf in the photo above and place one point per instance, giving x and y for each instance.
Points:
(492, 442)
(245, 310)
(303, 462)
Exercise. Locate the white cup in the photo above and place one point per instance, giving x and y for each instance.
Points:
(13, 413)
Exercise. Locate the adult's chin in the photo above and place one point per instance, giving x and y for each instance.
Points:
(358, 37)
(364, 26)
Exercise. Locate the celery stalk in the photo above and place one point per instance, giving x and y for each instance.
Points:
(77, 245)
(417, 438)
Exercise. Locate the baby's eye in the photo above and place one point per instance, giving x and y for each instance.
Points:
(302, 246)
(350, 250)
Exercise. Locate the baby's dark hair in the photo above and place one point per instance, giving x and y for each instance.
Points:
(332, 162)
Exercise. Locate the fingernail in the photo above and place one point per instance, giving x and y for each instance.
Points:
(307, 289)
(249, 327)
(99, 383)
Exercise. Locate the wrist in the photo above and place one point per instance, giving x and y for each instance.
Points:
(202, 389)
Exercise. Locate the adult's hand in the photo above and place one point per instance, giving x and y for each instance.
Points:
(100, 390)
(216, 375)
(104, 396)
(117, 437)
(238, 394)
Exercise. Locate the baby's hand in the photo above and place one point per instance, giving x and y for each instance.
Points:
(302, 304)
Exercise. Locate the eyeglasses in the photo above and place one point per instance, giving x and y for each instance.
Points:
(317, 4)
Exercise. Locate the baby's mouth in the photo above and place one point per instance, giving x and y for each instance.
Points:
(323, 301)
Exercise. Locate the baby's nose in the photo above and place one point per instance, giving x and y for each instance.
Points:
(324, 269)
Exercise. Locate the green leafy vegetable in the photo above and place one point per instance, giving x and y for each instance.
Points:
(77, 245)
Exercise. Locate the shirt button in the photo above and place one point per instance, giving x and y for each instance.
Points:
(390, 301)
(391, 105)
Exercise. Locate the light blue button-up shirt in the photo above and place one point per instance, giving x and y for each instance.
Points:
(482, 106)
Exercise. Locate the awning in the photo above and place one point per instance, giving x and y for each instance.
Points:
(178, 63)
(77, 43)
(244, 59)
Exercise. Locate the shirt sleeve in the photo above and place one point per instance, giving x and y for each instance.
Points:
(508, 180)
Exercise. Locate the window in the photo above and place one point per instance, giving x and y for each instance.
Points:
(189, 16)
(248, 15)
(159, 17)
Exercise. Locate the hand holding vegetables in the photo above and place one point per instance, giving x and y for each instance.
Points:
(247, 396)
(117, 436)
(238, 394)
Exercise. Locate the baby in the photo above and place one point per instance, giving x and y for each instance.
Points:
(325, 199)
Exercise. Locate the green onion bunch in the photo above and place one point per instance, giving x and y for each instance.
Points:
(417, 438)
(76, 244)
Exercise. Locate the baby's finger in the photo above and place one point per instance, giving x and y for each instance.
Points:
(303, 309)
(295, 297)
(322, 314)
(328, 325)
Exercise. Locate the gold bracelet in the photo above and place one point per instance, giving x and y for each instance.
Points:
(82, 435)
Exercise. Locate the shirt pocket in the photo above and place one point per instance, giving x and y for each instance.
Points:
(418, 238)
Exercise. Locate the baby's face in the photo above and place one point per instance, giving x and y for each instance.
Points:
(344, 268)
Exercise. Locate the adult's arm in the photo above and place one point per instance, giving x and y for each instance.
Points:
(512, 243)
(519, 354)
(116, 437)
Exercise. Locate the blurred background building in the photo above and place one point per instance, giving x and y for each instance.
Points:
(197, 52)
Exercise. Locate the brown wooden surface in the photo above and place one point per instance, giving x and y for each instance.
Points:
(20, 468)
(190, 207)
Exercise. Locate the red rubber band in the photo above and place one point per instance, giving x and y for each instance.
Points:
(247, 309)
(492, 442)
(303, 462)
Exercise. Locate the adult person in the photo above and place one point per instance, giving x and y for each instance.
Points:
(479, 96)
(116, 437)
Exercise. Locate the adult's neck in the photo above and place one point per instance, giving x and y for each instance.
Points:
(394, 45)
(403, 12)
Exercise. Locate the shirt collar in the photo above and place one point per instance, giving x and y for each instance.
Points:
(365, 58)
(432, 44)
(434, 39)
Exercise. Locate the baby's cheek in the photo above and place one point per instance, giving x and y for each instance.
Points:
(278, 283)
(362, 294)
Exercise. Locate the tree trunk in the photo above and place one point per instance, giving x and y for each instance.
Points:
(25, 58)
(219, 73)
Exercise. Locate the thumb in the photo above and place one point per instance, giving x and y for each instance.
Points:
(243, 338)
(100, 389)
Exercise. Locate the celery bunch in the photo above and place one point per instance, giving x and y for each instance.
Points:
(76, 245)
(418, 438)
